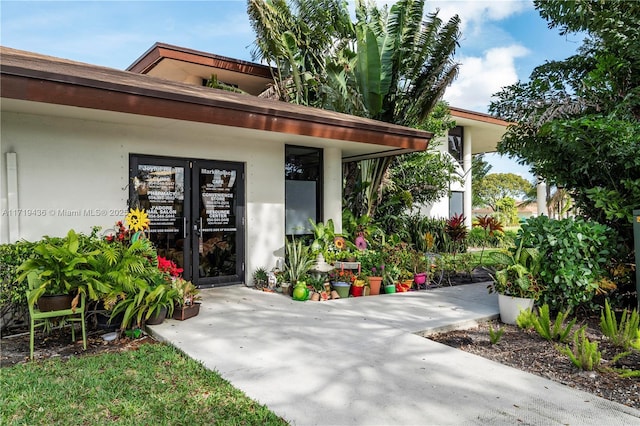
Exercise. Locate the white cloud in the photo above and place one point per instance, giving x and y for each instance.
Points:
(480, 77)
(475, 13)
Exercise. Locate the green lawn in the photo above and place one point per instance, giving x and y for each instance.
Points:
(487, 260)
(154, 385)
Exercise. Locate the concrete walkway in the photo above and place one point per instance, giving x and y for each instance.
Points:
(359, 361)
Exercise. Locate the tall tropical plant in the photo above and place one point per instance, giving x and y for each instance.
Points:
(392, 64)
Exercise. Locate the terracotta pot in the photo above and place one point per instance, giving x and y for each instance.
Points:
(374, 285)
(315, 296)
(334, 294)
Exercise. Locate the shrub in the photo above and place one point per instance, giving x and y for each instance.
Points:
(13, 298)
(575, 253)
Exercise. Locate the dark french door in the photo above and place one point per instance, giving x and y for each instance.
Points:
(196, 210)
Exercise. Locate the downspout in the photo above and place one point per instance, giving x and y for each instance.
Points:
(12, 196)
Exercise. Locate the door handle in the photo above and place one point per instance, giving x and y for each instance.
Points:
(184, 227)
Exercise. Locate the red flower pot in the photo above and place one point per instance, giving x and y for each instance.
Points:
(357, 291)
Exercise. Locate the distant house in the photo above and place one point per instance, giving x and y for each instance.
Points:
(224, 176)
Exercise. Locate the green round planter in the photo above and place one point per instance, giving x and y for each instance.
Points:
(388, 289)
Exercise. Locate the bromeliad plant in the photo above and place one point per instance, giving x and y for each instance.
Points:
(298, 261)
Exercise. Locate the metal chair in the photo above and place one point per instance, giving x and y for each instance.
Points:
(40, 319)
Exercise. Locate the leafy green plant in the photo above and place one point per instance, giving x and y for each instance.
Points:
(260, 277)
(519, 275)
(575, 252)
(621, 334)
(559, 331)
(298, 260)
(495, 335)
(13, 296)
(584, 354)
(64, 266)
(525, 319)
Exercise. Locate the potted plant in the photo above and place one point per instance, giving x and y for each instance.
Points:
(391, 277)
(260, 278)
(516, 281)
(188, 299)
(360, 284)
(420, 266)
(341, 280)
(63, 267)
(298, 261)
(372, 263)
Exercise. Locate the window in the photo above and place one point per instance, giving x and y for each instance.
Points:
(456, 203)
(456, 144)
(303, 188)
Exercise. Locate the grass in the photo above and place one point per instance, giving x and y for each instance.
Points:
(154, 385)
(487, 260)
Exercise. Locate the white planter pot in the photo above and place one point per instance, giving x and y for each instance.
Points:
(510, 307)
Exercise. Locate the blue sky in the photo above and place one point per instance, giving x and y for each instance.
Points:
(502, 40)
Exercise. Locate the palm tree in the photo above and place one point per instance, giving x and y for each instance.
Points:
(295, 38)
(392, 65)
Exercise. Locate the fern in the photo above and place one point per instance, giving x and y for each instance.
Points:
(495, 335)
(584, 354)
(625, 334)
(525, 319)
(558, 332)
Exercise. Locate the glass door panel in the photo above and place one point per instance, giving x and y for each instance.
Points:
(196, 211)
(158, 186)
(221, 207)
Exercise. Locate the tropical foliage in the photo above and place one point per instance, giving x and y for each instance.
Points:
(391, 64)
(577, 120)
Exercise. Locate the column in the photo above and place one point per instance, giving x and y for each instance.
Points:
(541, 196)
(332, 194)
(466, 166)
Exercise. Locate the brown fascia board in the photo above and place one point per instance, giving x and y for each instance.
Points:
(160, 51)
(32, 77)
(477, 116)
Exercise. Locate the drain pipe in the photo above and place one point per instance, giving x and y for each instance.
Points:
(12, 196)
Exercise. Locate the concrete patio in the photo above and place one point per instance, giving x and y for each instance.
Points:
(361, 361)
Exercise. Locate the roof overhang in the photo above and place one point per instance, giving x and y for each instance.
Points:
(34, 78)
(181, 64)
(486, 130)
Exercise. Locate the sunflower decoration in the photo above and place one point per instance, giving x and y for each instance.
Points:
(340, 243)
(137, 220)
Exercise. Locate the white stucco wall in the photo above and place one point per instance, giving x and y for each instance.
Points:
(73, 173)
(440, 208)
